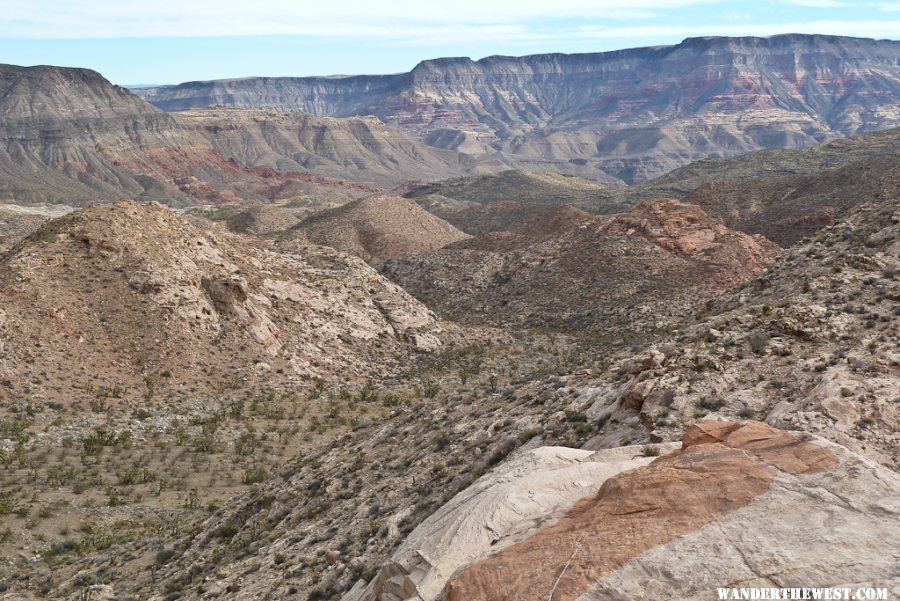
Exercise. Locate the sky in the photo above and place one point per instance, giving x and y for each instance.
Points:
(135, 42)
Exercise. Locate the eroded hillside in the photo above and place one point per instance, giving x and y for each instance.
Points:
(618, 279)
(117, 295)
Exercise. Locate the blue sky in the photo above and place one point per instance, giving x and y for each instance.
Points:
(170, 41)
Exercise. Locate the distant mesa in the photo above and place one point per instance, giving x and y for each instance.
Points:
(626, 116)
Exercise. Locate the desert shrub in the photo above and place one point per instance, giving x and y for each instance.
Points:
(758, 341)
(246, 443)
(254, 475)
(711, 404)
(430, 389)
(8, 502)
(649, 451)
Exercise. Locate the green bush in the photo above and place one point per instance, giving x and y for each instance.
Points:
(254, 475)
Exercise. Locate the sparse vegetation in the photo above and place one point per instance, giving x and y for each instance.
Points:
(650, 451)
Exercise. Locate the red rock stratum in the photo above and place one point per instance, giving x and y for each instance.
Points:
(722, 467)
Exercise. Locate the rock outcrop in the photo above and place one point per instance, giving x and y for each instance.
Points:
(515, 501)
(686, 230)
(739, 504)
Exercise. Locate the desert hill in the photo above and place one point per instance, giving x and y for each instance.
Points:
(112, 297)
(264, 220)
(377, 228)
(442, 206)
(631, 273)
(770, 163)
(787, 209)
(507, 225)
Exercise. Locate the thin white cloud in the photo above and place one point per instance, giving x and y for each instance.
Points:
(409, 22)
(140, 18)
(821, 3)
(866, 29)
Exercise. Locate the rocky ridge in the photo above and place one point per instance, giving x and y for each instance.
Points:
(513, 185)
(507, 225)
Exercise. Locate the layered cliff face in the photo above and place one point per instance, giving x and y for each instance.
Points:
(71, 130)
(631, 114)
(70, 136)
(361, 149)
(337, 96)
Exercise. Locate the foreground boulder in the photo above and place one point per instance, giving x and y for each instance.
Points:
(741, 504)
(512, 503)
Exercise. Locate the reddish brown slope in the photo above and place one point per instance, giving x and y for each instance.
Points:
(635, 272)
